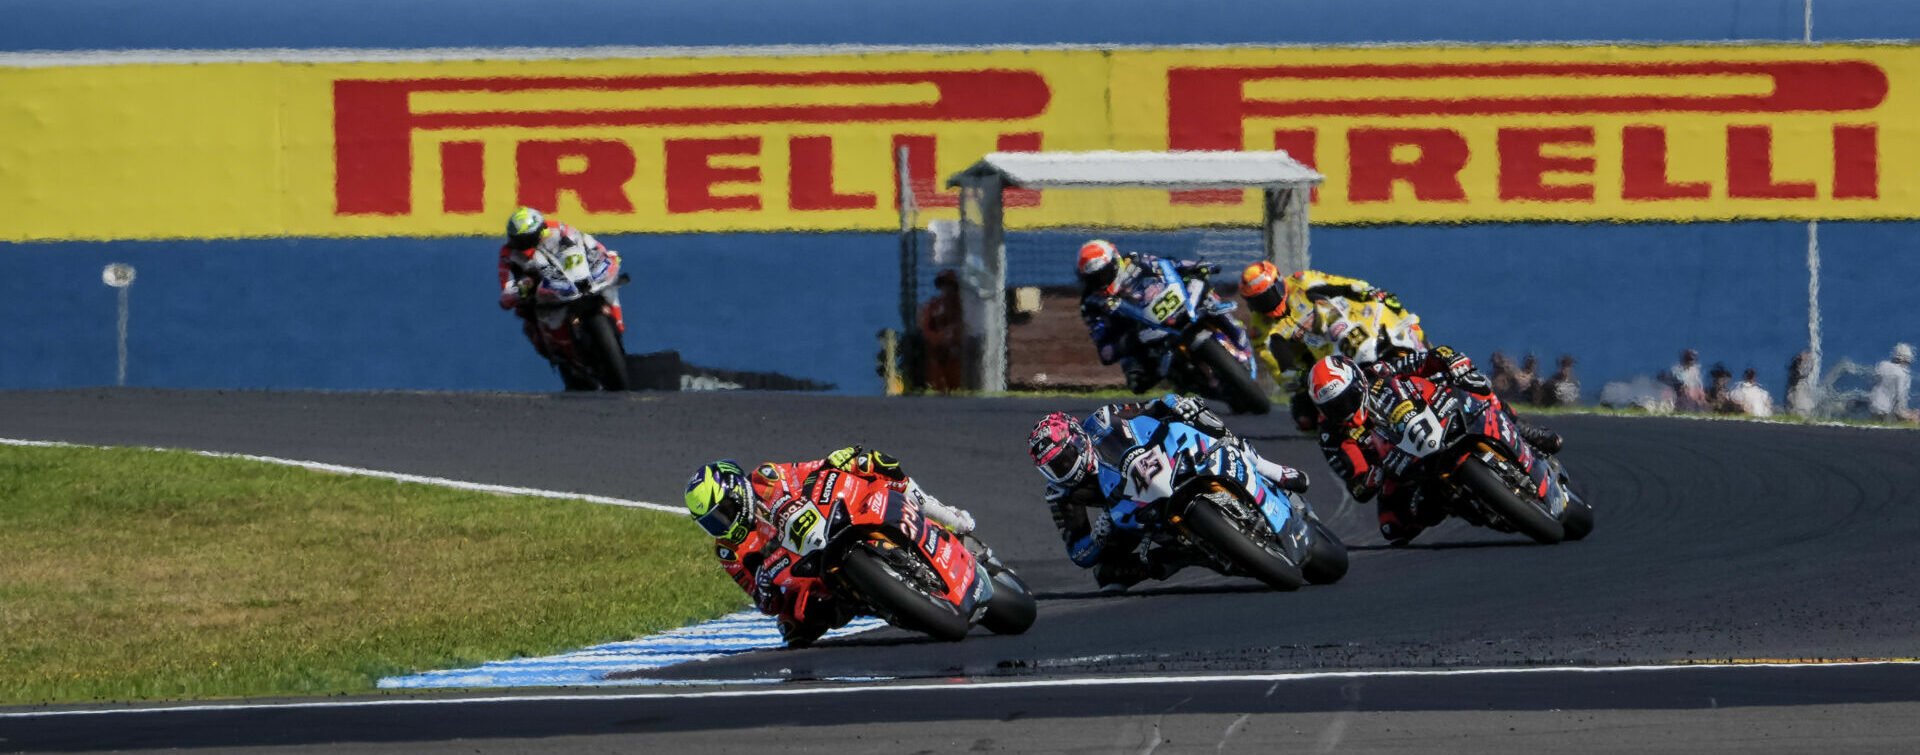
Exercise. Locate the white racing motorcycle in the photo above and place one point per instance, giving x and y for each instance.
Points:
(579, 291)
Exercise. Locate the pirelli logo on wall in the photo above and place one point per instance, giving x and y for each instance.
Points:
(808, 142)
(1521, 139)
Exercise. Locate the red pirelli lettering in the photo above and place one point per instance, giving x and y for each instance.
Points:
(374, 122)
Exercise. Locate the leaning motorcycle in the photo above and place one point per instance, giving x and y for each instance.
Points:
(579, 290)
(1466, 453)
(1365, 331)
(1185, 328)
(1203, 499)
(848, 538)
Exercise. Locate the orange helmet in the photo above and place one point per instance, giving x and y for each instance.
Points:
(1099, 265)
(1261, 286)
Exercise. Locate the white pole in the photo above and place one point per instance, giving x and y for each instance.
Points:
(120, 377)
(1813, 383)
(120, 276)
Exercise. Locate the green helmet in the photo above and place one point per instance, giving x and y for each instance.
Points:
(720, 499)
(524, 227)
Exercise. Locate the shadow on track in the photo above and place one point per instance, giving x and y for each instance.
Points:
(1156, 591)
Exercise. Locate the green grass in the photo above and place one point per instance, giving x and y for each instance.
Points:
(132, 574)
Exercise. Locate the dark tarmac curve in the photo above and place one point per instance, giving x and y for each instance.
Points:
(1714, 540)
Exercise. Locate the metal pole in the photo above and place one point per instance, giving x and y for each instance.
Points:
(120, 376)
(1813, 305)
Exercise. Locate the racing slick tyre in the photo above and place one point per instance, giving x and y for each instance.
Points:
(1236, 386)
(1209, 524)
(1012, 610)
(1327, 561)
(1524, 513)
(1576, 520)
(893, 595)
(605, 352)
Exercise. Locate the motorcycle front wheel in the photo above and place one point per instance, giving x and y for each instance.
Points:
(897, 599)
(604, 351)
(1237, 387)
(1219, 532)
(1525, 513)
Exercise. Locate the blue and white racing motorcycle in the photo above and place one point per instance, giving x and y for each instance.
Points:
(1203, 498)
(1201, 349)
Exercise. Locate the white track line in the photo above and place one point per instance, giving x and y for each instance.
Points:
(958, 685)
(316, 466)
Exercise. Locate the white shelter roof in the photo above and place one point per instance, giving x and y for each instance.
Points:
(1148, 170)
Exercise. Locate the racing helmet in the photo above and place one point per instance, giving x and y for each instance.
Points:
(1061, 450)
(1099, 265)
(1339, 388)
(720, 499)
(1261, 286)
(524, 227)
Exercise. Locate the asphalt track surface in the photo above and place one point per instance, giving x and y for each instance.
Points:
(1715, 540)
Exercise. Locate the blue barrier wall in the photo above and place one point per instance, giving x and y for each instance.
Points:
(386, 313)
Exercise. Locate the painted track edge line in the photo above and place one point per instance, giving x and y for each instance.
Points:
(317, 466)
(1277, 677)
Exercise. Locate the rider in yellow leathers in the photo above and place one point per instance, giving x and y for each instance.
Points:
(1301, 318)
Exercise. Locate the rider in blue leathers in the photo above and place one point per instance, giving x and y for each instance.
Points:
(1082, 486)
(1106, 277)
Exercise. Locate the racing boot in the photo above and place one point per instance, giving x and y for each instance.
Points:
(1162, 562)
(956, 520)
(1542, 439)
(1282, 476)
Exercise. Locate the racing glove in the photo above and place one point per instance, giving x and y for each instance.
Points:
(1366, 487)
(1385, 297)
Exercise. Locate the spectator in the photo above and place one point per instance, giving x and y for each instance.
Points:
(1684, 378)
(1749, 397)
(1526, 382)
(1718, 400)
(1801, 393)
(944, 333)
(1563, 389)
(1503, 374)
(1891, 381)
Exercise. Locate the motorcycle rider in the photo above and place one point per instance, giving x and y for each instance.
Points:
(736, 507)
(1105, 275)
(1344, 393)
(528, 232)
(1284, 316)
(1063, 450)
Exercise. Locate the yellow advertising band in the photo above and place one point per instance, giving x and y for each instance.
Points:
(808, 142)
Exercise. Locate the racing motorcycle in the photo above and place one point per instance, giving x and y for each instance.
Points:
(1466, 453)
(1204, 499)
(866, 542)
(1185, 328)
(1365, 331)
(578, 289)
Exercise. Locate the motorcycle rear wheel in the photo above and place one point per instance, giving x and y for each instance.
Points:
(1219, 532)
(890, 594)
(1237, 387)
(1525, 514)
(605, 352)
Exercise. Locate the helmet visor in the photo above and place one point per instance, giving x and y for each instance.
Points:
(724, 520)
(1065, 464)
(1344, 403)
(523, 241)
(1265, 301)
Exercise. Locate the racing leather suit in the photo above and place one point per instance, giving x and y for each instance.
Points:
(518, 280)
(803, 618)
(1286, 330)
(1115, 336)
(1355, 451)
(1080, 511)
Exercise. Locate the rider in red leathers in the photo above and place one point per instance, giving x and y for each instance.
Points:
(734, 506)
(529, 231)
(1350, 401)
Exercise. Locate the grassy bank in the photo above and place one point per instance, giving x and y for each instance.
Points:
(134, 574)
